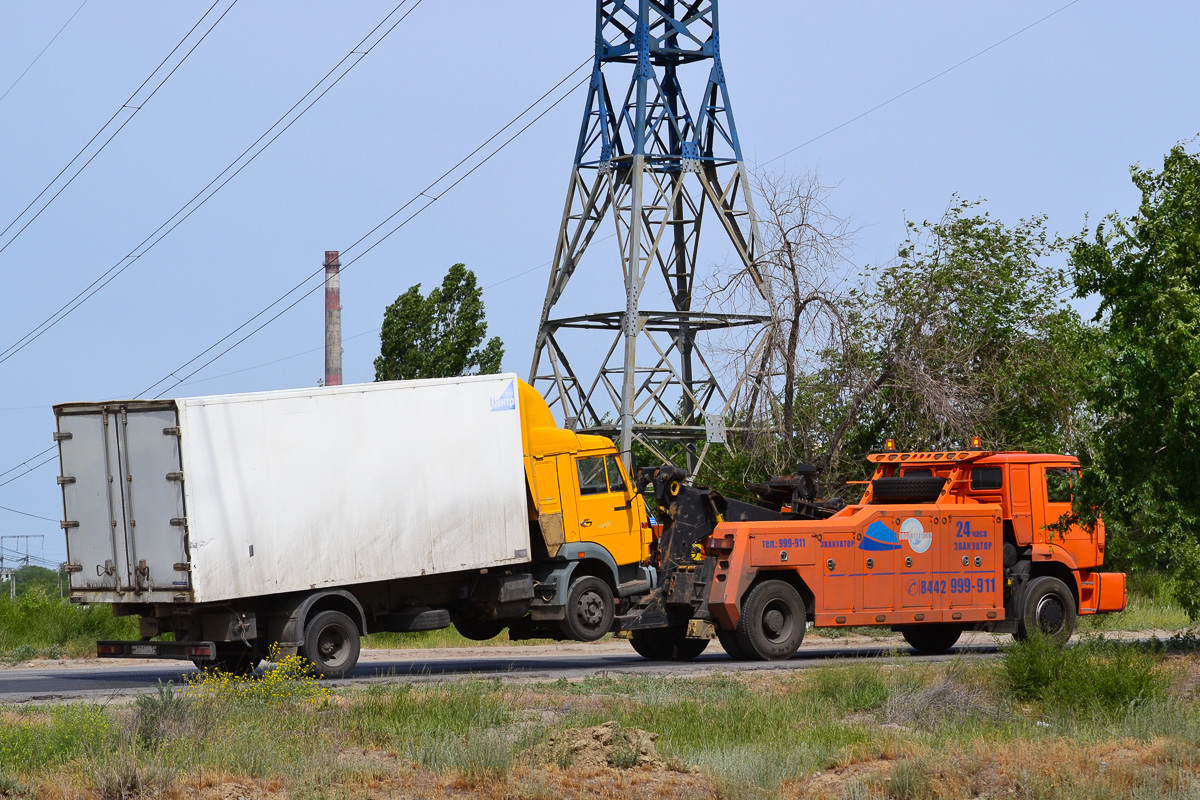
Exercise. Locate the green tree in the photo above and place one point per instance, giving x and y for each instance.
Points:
(965, 333)
(1146, 272)
(439, 336)
(30, 577)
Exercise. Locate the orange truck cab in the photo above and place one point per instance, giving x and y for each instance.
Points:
(941, 542)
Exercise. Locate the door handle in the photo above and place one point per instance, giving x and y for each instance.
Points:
(622, 508)
(585, 522)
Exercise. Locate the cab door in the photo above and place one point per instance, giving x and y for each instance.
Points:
(605, 508)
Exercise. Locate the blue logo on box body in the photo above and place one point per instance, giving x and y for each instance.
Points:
(879, 537)
(507, 401)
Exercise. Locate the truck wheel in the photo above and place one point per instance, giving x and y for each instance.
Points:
(1048, 605)
(331, 644)
(729, 642)
(667, 644)
(589, 610)
(932, 638)
(478, 630)
(772, 623)
(412, 620)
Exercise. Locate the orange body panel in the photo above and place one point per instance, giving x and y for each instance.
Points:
(875, 565)
(899, 564)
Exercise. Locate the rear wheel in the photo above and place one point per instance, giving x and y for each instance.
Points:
(667, 644)
(772, 623)
(729, 643)
(932, 638)
(590, 609)
(331, 644)
(1048, 606)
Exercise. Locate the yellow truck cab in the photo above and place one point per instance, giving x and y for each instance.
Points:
(589, 527)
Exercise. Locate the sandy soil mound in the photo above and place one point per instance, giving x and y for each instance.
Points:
(607, 745)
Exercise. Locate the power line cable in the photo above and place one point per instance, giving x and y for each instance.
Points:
(204, 195)
(128, 104)
(431, 199)
(43, 50)
(26, 466)
(26, 513)
(912, 89)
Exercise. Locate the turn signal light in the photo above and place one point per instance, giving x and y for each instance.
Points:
(108, 649)
(199, 651)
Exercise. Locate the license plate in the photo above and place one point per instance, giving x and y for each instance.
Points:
(143, 650)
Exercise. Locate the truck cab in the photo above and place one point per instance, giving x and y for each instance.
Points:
(1034, 492)
(588, 521)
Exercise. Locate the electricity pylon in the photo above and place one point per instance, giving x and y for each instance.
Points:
(654, 164)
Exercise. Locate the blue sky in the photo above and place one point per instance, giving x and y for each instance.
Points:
(1047, 122)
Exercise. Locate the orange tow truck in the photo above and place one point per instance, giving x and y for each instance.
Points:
(941, 543)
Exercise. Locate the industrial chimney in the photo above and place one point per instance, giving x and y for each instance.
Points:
(333, 319)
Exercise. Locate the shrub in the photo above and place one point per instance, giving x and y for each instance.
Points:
(1095, 673)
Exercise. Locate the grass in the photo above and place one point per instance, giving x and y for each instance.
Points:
(1099, 720)
(38, 624)
(1151, 606)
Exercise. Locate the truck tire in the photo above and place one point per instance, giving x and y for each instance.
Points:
(729, 642)
(478, 630)
(931, 638)
(667, 644)
(915, 489)
(412, 620)
(1047, 605)
(590, 610)
(331, 644)
(772, 623)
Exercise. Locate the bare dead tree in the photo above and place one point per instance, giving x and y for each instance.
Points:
(804, 253)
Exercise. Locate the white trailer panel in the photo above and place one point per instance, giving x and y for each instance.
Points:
(302, 489)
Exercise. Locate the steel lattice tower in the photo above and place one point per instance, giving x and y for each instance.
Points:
(653, 164)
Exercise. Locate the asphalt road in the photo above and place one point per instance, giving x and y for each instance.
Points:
(117, 678)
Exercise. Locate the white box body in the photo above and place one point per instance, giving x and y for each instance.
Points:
(292, 490)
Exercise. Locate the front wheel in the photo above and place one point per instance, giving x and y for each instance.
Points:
(1049, 606)
(931, 638)
(590, 610)
(772, 623)
(331, 644)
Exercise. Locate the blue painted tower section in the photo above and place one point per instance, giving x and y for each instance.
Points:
(657, 149)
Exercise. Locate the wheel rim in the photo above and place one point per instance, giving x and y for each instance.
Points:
(589, 609)
(777, 621)
(1050, 613)
(332, 646)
